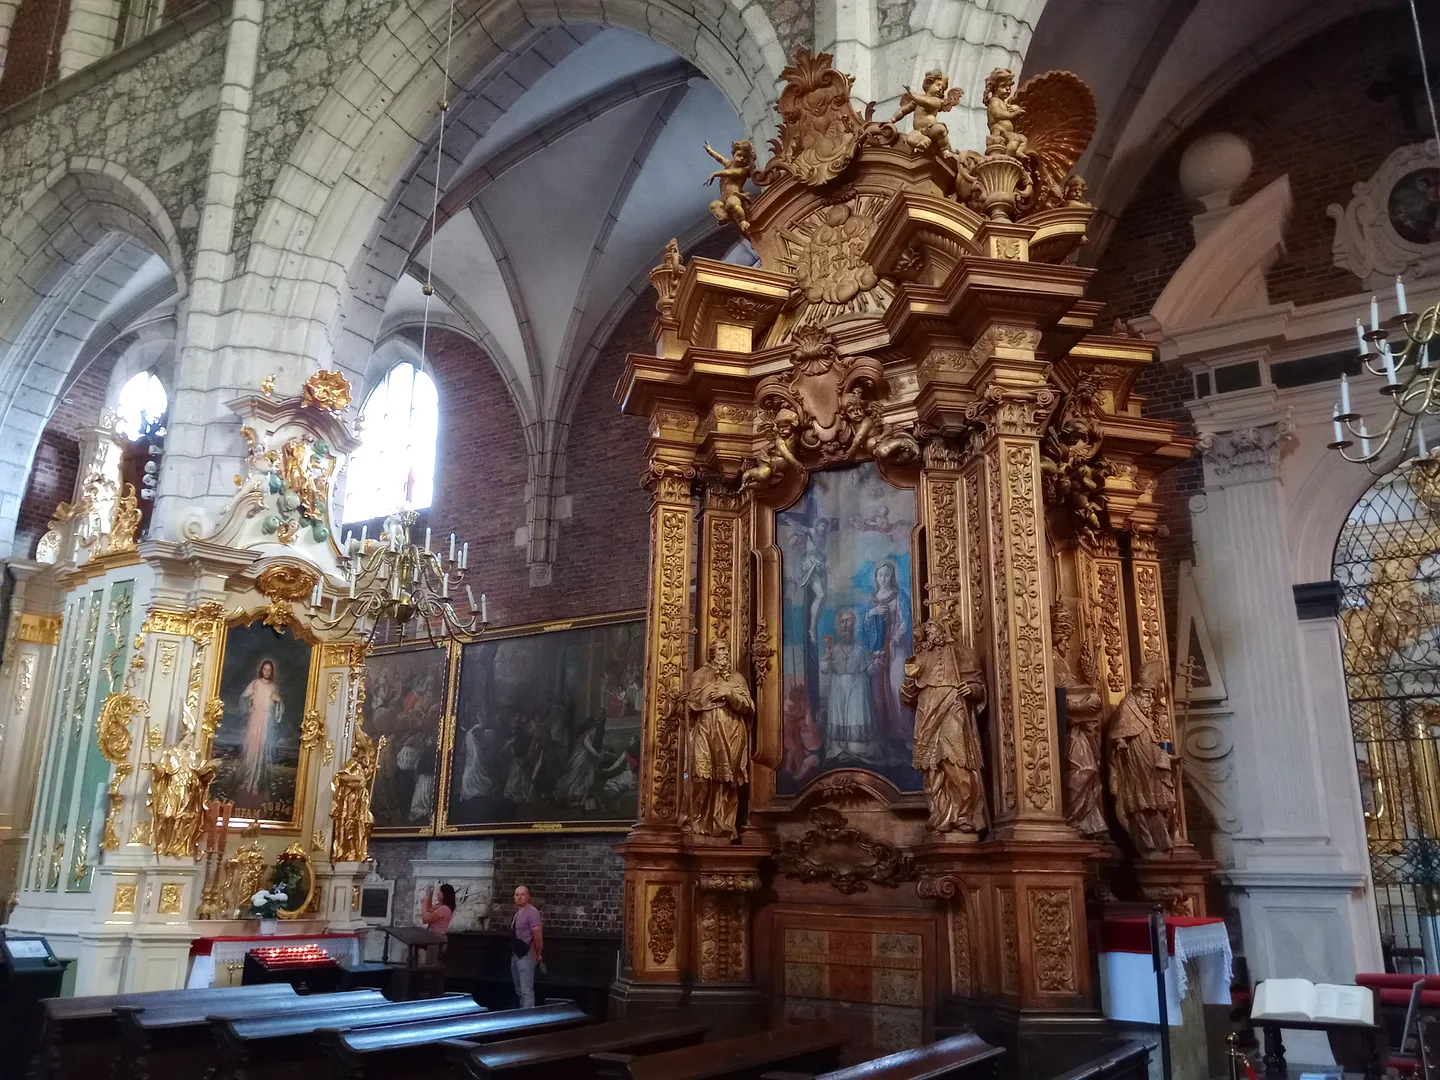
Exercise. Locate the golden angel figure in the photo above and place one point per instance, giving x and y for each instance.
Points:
(721, 709)
(927, 135)
(733, 203)
(779, 458)
(179, 782)
(1003, 113)
(944, 685)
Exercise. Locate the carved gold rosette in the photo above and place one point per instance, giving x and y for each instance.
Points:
(914, 320)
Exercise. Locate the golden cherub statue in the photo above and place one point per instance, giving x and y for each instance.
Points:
(927, 135)
(779, 458)
(733, 203)
(350, 815)
(125, 521)
(1002, 111)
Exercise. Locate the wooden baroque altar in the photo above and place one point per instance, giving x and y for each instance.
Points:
(918, 309)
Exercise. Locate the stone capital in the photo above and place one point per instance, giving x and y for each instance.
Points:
(1248, 454)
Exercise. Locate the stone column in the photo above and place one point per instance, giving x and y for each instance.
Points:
(1293, 886)
(90, 32)
(1022, 704)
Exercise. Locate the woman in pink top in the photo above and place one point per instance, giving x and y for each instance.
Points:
(437, 916)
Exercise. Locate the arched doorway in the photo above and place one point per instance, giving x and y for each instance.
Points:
(1387, 563)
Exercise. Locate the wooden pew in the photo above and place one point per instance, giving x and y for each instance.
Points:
(565, 1055)
(81, 1036)
(173, 1042)
(966, 1056)
(281, 1046)
(413, 1051)
(579, 968)
(811, 1047)
(1128, 1061)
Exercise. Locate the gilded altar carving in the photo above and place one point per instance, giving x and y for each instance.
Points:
(962, 978)
(721, 610)
(351, 818)
(661, 924)
(942, 501)
(1072, 474)
(665, 278)
(724, 937)
(328, 391)
(172, 895)
(179, 784)
(1004, 710)
(733, 205)
(670, 632)
(847, 859)
(312, 730)
(1142, 776)
(286, 581)
(1175, 900)
(112, 733)
(819, 129)
(945, 686)
(1011, 412)
(928, 134)
(1053, 935)
(721, 711)
(124, 902)
(762, 652)
(40, 629)
(124, 522)
(1105, 603)
(1009, 943)
(830, 267)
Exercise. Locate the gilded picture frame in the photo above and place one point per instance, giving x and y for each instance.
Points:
(456, 814)
(294, 639)
(408, 750)
(775, 569)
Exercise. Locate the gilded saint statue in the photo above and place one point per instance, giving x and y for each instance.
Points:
(179, 782)
(350, 815)
(1141, 776)
(1084, 708)
(720, 708)
(945, 686)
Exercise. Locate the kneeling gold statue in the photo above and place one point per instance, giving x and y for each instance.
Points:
(944, 685)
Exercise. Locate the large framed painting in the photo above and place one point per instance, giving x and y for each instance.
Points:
(848, 623)
(269, 679)
(405, 701)
(546, 729)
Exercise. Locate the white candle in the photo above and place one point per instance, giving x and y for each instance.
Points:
(470, 595)
(1389, 363)
(427, 540)
(452, 547)
(352, 586)
(364, 533)
(1425, 357)
(445, 585)
(348, 534)
(1345, 395)
(1364, 440)
(1360, 337)
(1400, 294)
(1420, 433)
(465, 556)
(334, 600)
(484, 609)
(1339, 432)
(1374, 313)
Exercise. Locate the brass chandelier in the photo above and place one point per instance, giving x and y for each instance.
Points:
(1410, 375)
(394, 580)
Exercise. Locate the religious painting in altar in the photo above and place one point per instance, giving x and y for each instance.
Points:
(405, 698)
(268, 680)
(848, 628)
(546, 730)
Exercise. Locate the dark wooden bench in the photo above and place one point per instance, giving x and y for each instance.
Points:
(81, 1036)
(812, 1047)
(967, 1056)
(565, 1055)
(1128, 1061)
(406, 1051)
(579, 968)
(284, 1045)
(170, 1042)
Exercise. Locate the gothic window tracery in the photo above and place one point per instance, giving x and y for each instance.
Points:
(395, 465)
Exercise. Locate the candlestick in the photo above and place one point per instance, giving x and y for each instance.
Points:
(484, 609)
(427, 540)
(445, 585)
(465, 556)
(1389, 363)
(1339, 432)
(1364, 440)
(1374, 313)
(1345, 393)
(452, 547)
(1360, 337)
(470, 595)
(1400, 294)
(364, 535)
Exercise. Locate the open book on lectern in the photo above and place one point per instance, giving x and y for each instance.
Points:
(1323, 1003)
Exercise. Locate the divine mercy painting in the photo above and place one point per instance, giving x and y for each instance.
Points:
(264, 681)
(848, 628)
(547, 730)
(405, 702)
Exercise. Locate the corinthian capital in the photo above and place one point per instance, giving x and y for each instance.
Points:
(1246, 454)
(1011, 411)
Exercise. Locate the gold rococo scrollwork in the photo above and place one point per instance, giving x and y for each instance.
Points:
(40, 629)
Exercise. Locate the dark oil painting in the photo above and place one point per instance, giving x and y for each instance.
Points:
(547, 730)
(264, 679)
(405, 702)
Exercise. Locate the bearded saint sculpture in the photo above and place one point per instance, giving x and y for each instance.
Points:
(720, 708)
(1141, 776)
(944, 685)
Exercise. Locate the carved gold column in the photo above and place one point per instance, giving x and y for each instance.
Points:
(1028, 776)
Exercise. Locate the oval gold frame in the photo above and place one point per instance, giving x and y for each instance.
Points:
(294, 851)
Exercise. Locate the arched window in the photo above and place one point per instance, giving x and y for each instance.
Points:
(1387, 562)
(396, 460)
(142, 401)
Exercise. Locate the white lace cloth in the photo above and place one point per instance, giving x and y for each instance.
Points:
(1127, 979)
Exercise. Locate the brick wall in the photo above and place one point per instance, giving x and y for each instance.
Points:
(576, 881)
(32, 53)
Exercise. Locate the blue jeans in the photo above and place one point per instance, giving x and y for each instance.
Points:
(522, 974)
